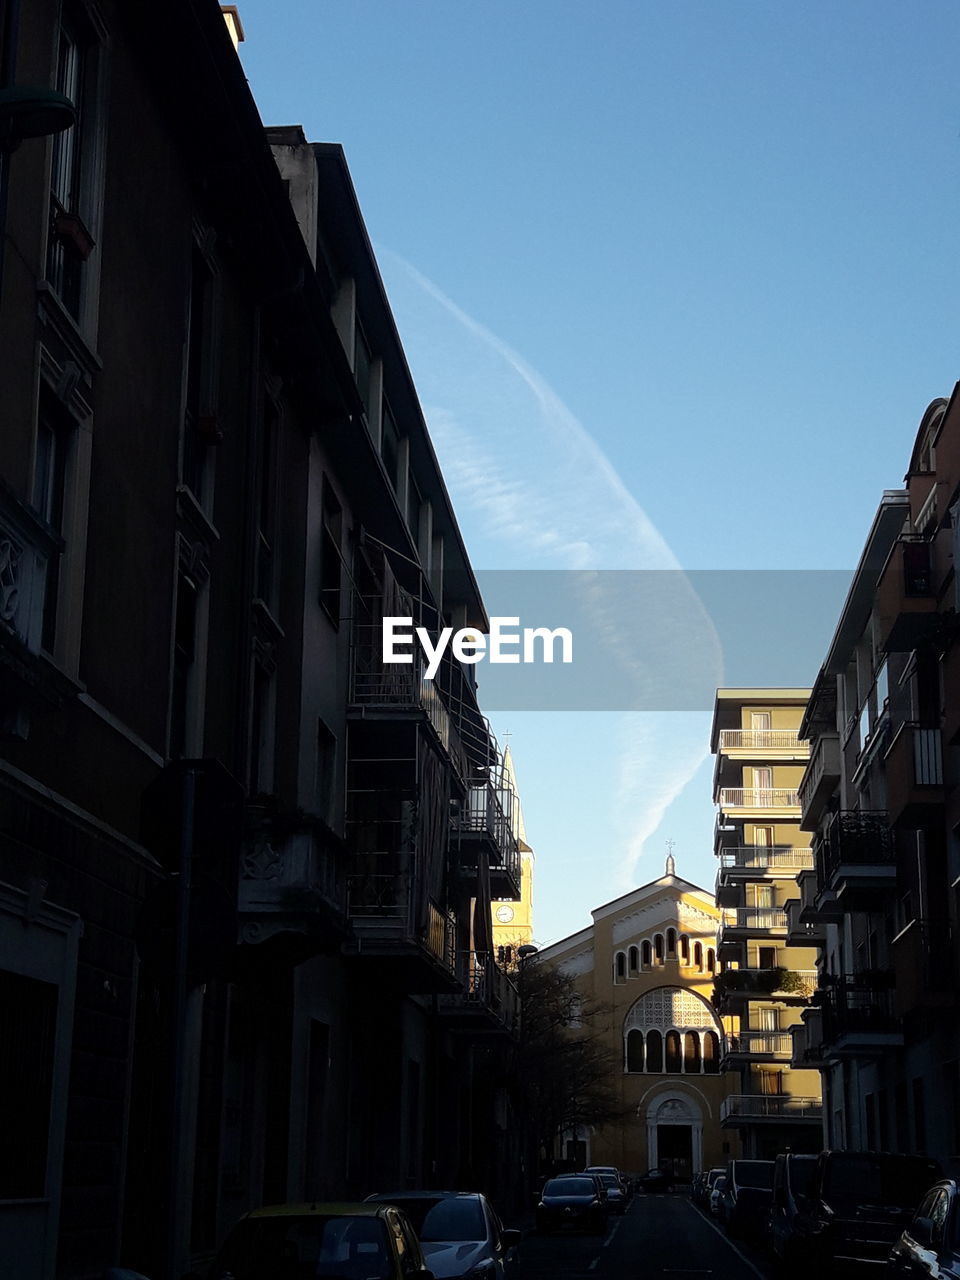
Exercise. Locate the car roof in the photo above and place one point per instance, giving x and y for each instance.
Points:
(393, 1196)
(325, 1208)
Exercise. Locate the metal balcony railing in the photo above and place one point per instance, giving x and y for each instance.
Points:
(854, 839)
(759, 798)
(760, 918)
(487, 986)
(770, 1107)
(766, 858)
(859, 1004)
(488, 810)
(778, 1044)
(762, 739)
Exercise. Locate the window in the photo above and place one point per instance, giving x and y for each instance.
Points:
(671, 942)
(766, 957)
(267, 501)
(698, 955)
(673, 1059)
(331, 559)
(763, 786)
(362, 362)
(645, 954)
(634, 957)
(414, 510)
(684, 948)
(711, 1053)
(200, 426)
(711, 960)
(654, 1051)
(658, 948)
(28, 1016)
(54, 441)
(634, 1050)
(326, 771)
(691, 1051)
(184, 658)
(768, 1019)
(70, 241)
(390, 447)
(620, 967)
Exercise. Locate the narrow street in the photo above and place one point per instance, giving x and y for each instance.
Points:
(660, 1236)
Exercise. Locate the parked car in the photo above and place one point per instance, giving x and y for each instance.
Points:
(861, 1203)
(708, 1180)
(655, 1180)
(459, 1232)
(930, 1246)
(621, 1177)
(613, 1189)
(745, 1206)
(575, 1200)
(326, 1241)
(789, 1224)
(715, 1199)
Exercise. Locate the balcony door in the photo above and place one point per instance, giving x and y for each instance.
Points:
(763, 786)
(760, 726)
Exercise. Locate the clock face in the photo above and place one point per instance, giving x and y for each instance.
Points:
(504, 914)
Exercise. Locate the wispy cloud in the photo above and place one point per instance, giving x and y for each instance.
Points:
(533, 490)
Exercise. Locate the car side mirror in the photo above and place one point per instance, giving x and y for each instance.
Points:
(511, 1238)
(922, 1231)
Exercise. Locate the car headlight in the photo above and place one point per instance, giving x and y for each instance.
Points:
(485, 1270)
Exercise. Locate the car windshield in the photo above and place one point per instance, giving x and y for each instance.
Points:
(291, 1247)
(893, 1181)
(608, 1180)
(755, 1173)
(570, 1187)
(437, 1218)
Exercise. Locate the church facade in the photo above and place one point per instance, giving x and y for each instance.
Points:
(648, 961)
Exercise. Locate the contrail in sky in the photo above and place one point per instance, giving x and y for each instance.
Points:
(533, 490)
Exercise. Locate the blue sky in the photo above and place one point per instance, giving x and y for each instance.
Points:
(676, 281)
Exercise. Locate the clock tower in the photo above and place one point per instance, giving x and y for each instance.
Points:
(513, 921)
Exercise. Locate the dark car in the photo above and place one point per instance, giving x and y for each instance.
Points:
(930, 1246)
(745, 1204)
(459, 1232)
(327, 1241)
(789, 1225)
(613, 1189)
(576, 1200)
(655, 1180)
(861, 1204)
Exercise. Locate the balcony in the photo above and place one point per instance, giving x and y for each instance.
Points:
(758, 802)
(747, 1109)
(292, 886)
(758, 1046)
(799, 933)
(820, 779)
(856, 860)
(807, 1053)
(773, 744)
(859, 1016)
(406, 944)
(751, 922)
(485, 823)
(925, 969)
(737, 987)
(746, 864)
(488, 1001)
(906, 597)
(913, 769)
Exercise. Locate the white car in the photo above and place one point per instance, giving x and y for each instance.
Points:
(459, 1231)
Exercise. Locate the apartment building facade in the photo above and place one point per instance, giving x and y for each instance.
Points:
(879, 798)
(768, 972)
(246, 874)
(648, 963)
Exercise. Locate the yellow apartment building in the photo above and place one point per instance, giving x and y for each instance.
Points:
(768, 968)
(650, 958)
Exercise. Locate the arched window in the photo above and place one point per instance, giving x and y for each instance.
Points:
(711, 1053)
(711, 961)
(658, 948)
(635, 1050)
(691, 1051)
(620, 967)
(673, 1053)
(645, 954)
(671, 942)
(634, 960)
(684, 948)
(698, 956)
(654, 1051)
